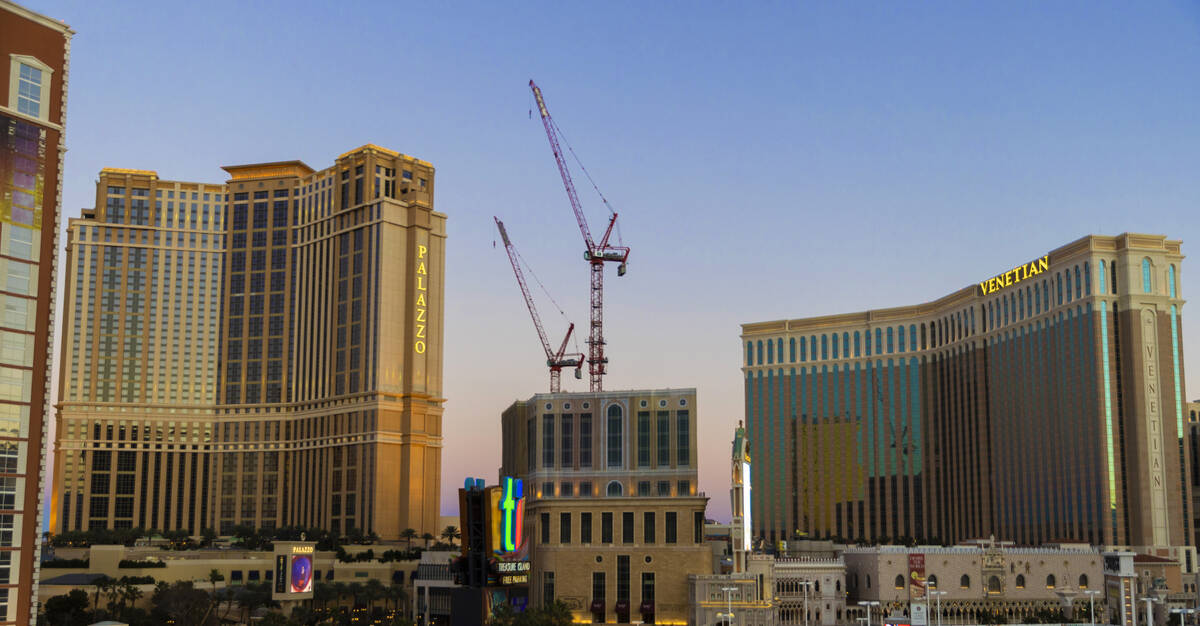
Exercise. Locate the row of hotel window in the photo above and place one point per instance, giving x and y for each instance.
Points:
(649, 529)
(615, 439)
(998, 312)
(964, 582)
(615, 488)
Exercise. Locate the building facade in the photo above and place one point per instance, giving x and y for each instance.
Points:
(613, 513)
(962, 583)
(1043, 404)
(33, 103)
(263, 352)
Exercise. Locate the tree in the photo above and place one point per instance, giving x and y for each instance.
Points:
(427, 537)
(450, 534)
(102, 584)
(373, 591)
(408, 534)
(207, 537)
(68, 609)
(182, 604)
(214, 576)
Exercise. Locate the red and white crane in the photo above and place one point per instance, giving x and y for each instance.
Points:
(556, 361)
(597, 254)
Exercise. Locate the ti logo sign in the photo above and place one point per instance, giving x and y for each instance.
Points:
(512, 507)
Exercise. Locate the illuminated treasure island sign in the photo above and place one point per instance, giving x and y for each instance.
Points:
(293, 570)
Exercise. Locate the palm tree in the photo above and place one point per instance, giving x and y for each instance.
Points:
(214, 576)
(128, 595)
(408, 534)
(339, 590)
(450, 533)
(104, 583)
(428, 537)
(373, 591)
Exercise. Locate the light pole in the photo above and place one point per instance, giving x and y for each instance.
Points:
(728, 604)
(1150, 600)
(804, 585)
(938, 598)
(868, 604)
(1092, 593)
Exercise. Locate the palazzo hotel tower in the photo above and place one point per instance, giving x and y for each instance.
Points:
(1043, 404)
(267, 351)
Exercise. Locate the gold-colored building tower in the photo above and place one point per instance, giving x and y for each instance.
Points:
(263, 352)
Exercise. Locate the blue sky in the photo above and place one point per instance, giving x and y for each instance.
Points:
(769, 160)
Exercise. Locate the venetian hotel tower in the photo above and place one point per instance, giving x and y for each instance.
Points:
(1044, 403)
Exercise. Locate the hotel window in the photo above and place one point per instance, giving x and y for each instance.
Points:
(858, 343)
(29, 87)
(792, 348)
(770, 352)
(585, 440)
(567, 453)
(890, 345)
(606, 527)
(779, 349)
(648, 588)
(564, 528)
(648, 527)
(663, 419)
(547, 440)
(824, 347)
(585, 527)
(614, 488)
(614, 436)
(545, 527)
(1068, 282)
(749, 353)
(623, 582)
(627, 527)
(1078, 286)
(912, 336)
(664, 487)
(845, 345)
(670, 530)
(900, 331)
(1146, 286)
(835, 346)
(643, 488)
(812, 348)
(1020, 581)
(1050, 581)
(1087, 280)
(682, 425)
(964, 582)
(599, 588)
(1113, 274)
(760, 353)
(878, 341)
(803, 350)
(548, 586)
(1083, 581)
(1021, 304)
(1059, 287)
(1171, 280)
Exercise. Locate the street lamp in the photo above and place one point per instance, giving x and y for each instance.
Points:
(938, 597)
(728, 604)
(805, 584)
(1092, 593)
(1150, 601)
(868, 604)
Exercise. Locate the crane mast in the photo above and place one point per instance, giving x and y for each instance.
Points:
(596, 254)
(555, 360)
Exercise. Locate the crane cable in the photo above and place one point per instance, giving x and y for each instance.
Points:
(537, 280)
(608, 206)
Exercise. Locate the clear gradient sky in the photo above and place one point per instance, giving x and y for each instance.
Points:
(770, 160)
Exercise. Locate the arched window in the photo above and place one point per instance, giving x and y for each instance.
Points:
(1078, 284)
(1146, 275)
(923, 339)
(615, 424)
(837, 585)
(933, 581)
(1021, 304)
(1050, 581)
(749, 353)
(993, 584)
(899, 581)
(1005, 300)
(824, 347)
(835, 346)
(817, 586)
(1083, 581)
(1058, 281)
(803, 349)
(1020, 581)
(964, 582)
(812, 348)
(1171, 280)
(1037, 299)
(779, 348)
(857, 344)
(1112, 283)
(792, 350)
(1087, 279)
(868, 581)
(760, 352)
(878, 341)
(845, 345)
(890, 336)
(614, 488)
(900, 331)
(1068, 283)
(912, 336)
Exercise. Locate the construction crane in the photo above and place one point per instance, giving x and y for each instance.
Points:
(556, 361)
(596, 254)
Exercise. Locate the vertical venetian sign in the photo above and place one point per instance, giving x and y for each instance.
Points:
(422, 307)
(1154, 434)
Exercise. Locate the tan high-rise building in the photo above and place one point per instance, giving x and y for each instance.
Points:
(262, 352)
(1045, 403)
(33, 100)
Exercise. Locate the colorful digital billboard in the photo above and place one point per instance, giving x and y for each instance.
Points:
(302, 573)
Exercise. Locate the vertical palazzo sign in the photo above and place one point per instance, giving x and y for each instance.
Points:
(1153, 424)
(421, 309)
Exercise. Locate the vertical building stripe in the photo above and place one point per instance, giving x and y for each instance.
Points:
(1112, 471)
